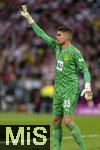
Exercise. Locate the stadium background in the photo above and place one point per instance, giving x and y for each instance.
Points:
(27, 63)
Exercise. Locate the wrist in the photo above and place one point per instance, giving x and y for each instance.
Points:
(87, 85)
(30, 20)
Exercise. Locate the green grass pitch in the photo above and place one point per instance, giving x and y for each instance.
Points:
(89, 126)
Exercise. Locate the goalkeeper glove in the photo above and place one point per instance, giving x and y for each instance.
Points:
(26, 15)
(87, 92)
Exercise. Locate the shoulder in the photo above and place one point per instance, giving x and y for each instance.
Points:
(76, 51)
(77, 54)
(55, 46)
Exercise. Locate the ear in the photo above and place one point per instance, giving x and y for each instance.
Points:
(68, 36)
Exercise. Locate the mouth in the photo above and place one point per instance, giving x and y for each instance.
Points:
(57, 41)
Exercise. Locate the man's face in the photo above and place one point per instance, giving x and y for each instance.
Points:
(62, 37)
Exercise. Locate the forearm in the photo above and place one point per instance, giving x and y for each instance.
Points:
(39, 32)
(86, 74)
(87, 89)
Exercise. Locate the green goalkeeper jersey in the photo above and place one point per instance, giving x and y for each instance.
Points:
(68, 62)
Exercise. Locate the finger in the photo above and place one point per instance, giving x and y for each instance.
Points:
(22, 13)
(88, 92)
(88, 95)
(83, 92)
(88, 98)
(91, 96)
(24, 8)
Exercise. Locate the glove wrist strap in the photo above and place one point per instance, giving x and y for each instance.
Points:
(87, 85)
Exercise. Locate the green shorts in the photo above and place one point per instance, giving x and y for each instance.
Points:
(64, 103)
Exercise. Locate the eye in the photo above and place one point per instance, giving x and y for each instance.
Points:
(59, 34)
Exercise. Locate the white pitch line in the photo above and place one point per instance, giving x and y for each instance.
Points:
(65, 137)
(84, 136)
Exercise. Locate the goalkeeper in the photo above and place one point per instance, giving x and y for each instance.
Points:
(69, 61)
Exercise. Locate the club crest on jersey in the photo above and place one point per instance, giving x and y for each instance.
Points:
(59, 65)
(81, 59)
(66, 58)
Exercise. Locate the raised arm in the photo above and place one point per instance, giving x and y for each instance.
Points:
(39, 32)
(81, 65)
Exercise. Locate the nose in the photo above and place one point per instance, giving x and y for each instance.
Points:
(56, 37)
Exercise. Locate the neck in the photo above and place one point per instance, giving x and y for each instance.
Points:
(65, 45)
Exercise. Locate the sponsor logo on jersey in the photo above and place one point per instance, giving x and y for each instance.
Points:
(59, 65)
(81, 59)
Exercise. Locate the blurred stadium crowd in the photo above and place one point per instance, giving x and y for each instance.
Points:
(27, 63)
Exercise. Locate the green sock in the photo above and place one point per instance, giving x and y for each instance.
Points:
(57, 137)
(77, 136)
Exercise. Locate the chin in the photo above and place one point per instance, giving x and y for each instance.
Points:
(58, 42)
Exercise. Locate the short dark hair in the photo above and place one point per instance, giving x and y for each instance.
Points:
(66, 29)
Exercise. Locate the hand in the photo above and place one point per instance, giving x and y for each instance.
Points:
(24, 11)
(26, 15)
(87, 92)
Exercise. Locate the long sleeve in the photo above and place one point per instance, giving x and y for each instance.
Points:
(40, 33)
(81, 65)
